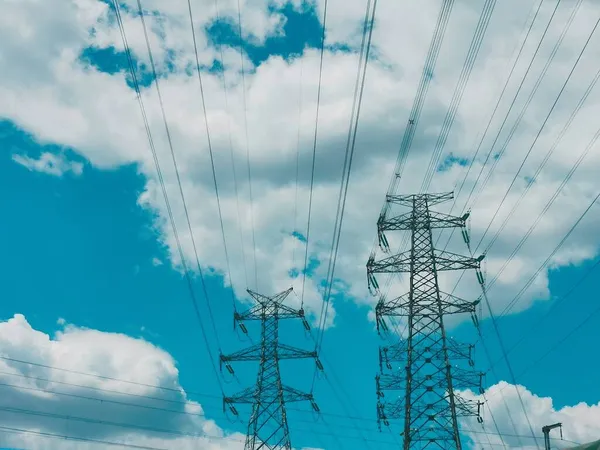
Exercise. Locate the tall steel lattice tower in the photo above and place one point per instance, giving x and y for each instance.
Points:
(421, 363)
(268, 426)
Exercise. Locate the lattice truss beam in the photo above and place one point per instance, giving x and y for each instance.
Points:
(267, 426)
(419, 373)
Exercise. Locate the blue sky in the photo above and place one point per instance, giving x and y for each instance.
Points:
(82, 248)
(79, 248)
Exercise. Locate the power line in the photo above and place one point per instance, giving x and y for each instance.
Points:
(520, 117)
(160, 177)
(547, 157)
(297, 161)
(103, 377)
(546, 66)
(548, 204)
(520, 435)
(567, 235)
(363, 419)
(143, 406)
(574, 330)
(566, 179)
(506, 407)
(314, 150)
(501, 342)
(183, 412)
(103, 400)
(559, 189)
(128, 426)
(463, 80)
(493, 421)
(241, 46)
(368, 25)
(99, 389)
(564, 297)
(210, 152)
(510, 74)
(234, 172)
(415, 113)
(74, 438)
(334, 387)
(544, 211)
(506, 116)
(426, 77)
(178, 391)
(587, 319)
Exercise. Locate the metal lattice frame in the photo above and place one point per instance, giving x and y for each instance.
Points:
(420, 365)
(268, 427)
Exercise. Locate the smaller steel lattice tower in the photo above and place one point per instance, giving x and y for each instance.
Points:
(420, 367)
(268, 427)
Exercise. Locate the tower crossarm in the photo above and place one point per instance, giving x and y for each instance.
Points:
(288, 352)
(467, 407)
(406, 261)
(266, 301)
(257, 312)
(386, 382)
(440, 408)
(294, 395)
(411, 199)
(452, 261)
(406, 222)
(398, 352)
(255, 353)
(401, 306)
(248, 395)
(467, 379)
(463, 379)
(252, 353)
(390, 409)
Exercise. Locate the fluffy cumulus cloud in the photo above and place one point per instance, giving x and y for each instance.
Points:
(50, 164)
(503, 405)
(56, 95)
(90, 399)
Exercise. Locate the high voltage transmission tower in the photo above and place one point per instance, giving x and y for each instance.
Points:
(421, 364)
(268, 426)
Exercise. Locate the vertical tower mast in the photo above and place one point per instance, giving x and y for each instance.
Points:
(268, 427)
(420, 364)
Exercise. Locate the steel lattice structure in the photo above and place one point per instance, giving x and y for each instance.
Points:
(268, 427)
(420, 365)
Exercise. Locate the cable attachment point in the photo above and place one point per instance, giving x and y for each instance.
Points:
(223, 361)
(319, 364)
(471, 361)
(315, 406)
(237, 319)
(384, 245)
(305, 324)
(479, 418)
(480, 277)
(371, 280)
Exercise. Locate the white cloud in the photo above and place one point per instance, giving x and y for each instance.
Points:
(31, 399)
(580, 422)
(55, 97)
(50, 164)
(156, 262)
